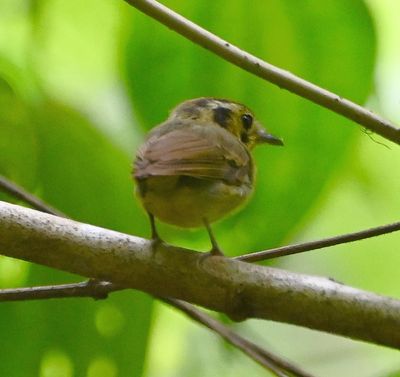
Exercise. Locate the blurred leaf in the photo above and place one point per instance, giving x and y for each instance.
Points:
(392, 374)
(18, 154)
(331, 43)
(74, 57)
(83, 174)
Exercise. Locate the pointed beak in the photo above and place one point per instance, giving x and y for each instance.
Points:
(264, 137)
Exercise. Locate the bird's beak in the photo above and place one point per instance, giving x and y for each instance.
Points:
(264, 137)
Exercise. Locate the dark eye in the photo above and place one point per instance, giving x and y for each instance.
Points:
(247, 121)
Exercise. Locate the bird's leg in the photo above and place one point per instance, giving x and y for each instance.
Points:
(215, 250)
(154, 234)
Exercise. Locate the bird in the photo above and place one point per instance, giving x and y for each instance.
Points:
(196, 167)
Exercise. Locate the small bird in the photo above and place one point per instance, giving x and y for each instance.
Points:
(196, 167)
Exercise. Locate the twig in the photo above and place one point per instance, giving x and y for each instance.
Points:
(100, 290)
(251, 349)
(18, 192)
(91, 288)
(266, 71)
(319, 244)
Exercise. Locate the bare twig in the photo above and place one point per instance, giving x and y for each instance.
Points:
(18, 192)
(319, 244)
(266, 71)
(91, 288)
(254, 351)
(100, 290)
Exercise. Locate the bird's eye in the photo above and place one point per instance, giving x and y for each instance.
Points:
(247, 121)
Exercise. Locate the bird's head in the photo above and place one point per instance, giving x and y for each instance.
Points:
(232, 116)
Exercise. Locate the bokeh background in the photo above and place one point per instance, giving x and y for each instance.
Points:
(80, 84)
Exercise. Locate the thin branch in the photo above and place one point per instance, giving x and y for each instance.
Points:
(251, 349)
(95, 289)
(241, 290)
(319, 244)
(18, 192)
(266, 71)
(100, 290)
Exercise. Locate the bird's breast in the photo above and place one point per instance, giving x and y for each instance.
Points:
(186, 201)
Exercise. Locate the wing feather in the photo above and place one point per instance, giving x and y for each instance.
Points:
(208, 152)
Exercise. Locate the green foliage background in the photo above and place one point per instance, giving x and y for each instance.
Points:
(81, 82)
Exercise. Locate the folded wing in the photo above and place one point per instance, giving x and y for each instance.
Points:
(211, 153)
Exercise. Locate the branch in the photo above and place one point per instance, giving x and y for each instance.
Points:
(251, 349)
(95, 289)
(319, 244)
(241, 290)
(266, 71)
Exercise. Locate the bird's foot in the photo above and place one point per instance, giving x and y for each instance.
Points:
(156, 241)
(215, 250)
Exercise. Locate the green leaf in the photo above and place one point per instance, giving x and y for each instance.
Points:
(18, 154)
(331, 43)
(86, 176)
(81, 173)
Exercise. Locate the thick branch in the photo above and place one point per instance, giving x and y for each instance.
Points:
(238, 289)
(260, 68)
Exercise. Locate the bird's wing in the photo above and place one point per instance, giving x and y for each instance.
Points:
(195, 152)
